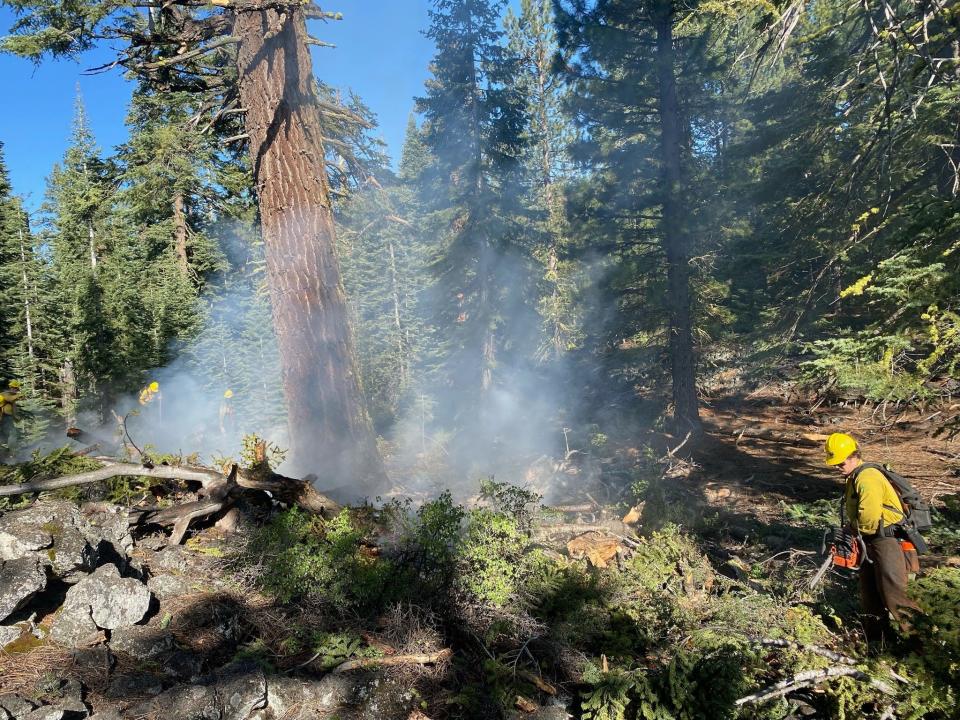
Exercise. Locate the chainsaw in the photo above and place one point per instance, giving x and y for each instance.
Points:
(848, 552)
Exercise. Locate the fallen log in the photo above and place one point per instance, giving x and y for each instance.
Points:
(362, 663)
(289, 490)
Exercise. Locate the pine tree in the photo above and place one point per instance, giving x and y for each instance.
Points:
(474, 123)
(242, 56)
(642, 94)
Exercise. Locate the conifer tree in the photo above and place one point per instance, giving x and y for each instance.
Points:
(641, 118)
(474, 122)
(243, 56)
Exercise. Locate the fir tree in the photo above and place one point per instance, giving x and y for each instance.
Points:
(474, 124)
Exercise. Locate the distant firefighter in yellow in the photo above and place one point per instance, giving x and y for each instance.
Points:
(149, 393)
(227, 415)
(8, 411)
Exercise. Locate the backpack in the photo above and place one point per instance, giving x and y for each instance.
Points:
(917, 517)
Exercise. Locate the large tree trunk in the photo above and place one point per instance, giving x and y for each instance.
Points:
(683, 366)
(330, 431)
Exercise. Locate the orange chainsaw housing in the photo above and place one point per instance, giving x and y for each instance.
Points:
(848, 560)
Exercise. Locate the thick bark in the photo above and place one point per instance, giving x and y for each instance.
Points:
(180, 233)
(330, 431)
(675, 239)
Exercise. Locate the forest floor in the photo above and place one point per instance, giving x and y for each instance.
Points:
(751, 503)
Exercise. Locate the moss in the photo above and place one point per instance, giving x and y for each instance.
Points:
(52, 554)
(24, 644)
(53, 529)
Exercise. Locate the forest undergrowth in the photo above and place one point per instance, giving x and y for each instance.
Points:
(702, 609)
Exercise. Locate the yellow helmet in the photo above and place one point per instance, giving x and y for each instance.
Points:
(154, 386)
(228, 394)
(839, 447)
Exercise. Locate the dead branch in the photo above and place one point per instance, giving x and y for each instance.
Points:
(812, 677)
(782, 437)
(362, 663)
(289, 490)
(815, 649)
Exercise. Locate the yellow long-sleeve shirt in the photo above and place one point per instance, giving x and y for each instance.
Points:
(869, 498)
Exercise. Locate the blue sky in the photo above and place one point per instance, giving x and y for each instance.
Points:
(381, 54)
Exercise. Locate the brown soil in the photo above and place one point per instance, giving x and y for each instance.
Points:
(761, 473)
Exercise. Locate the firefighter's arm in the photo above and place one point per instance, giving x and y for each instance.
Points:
(870, 507)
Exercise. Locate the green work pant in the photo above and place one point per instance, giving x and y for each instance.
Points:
(883, 587)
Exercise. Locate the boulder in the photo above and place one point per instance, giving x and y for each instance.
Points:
(135, 685)
(20, 580)
(73, 625)
(165, 587)
(64, 694)
(295, 699)
(101, 600)
(112, 524)
(9, 633)
(230, 696)
(15, 706)
(47, 712)
(56, 534)
(141, 642)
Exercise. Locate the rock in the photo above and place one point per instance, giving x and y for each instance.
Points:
(9, 633)
(64, 694)
(141, 642)
(56, 534)
(47, 712)
(107, 715)
(198, 702)
(183, 665)
(174, 558)
(91, 660)
(113, 525)
(115, 601)
(15, 706)
(242, 694)
(136, 684)
(73, 625)
(20, 580)
(294, 699)
(166, 587)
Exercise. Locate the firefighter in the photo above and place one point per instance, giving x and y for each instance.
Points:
(8, 412)
(873, 510)
(226, 412)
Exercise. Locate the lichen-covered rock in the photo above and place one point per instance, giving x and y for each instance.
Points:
(112, 524)
(116, 601)
(20, 580)
(141, 642)
(47, 712)
(165, 587)
(9, 633)
(295, 699)
(15, 706)
(63, 694)
(56, 534)
(73, 625)
(101, 600)
(242, 694)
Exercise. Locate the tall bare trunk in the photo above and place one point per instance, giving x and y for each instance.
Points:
(68, 392)
(180, 233)
(26, 296)
(397, 321)
(330, 430)
(93, 244)
(676, 241)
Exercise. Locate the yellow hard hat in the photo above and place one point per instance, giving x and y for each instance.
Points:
(839, 447)
(228, 394)
(154, 386)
